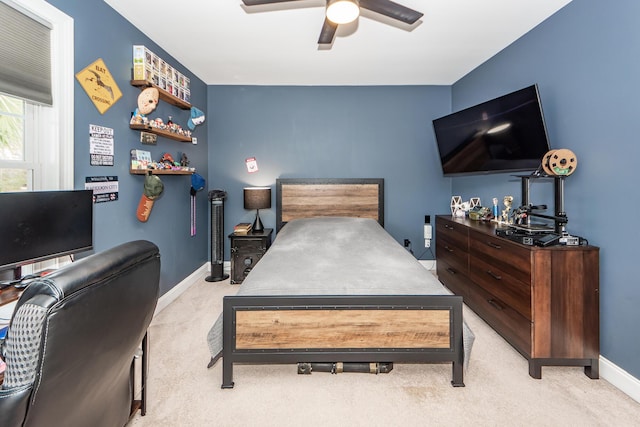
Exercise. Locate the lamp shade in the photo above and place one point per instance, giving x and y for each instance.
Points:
(257, 197)
(342, 11)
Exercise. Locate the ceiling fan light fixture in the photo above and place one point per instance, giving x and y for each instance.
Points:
(342, 11)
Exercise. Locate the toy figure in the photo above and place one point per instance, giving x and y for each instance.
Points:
(508, 201)
(167, 160)
(184, 161)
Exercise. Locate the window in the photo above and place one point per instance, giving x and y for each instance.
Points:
(16, 173)
(36, 141)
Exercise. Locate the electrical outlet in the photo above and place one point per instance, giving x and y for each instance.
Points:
(194, 141)
(428, 231)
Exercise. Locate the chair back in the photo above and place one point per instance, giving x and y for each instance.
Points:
(73, 337)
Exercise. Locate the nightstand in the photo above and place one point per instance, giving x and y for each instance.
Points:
(246, 251)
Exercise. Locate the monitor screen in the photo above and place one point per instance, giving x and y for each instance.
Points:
(505, 134)
(40, 225)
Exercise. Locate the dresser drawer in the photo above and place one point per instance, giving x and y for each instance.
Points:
(511, 257)
(500, 284)
(457, 234)
(513, 327)
(449, 251)
(453, 278)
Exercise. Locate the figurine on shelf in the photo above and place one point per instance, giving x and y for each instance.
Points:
(167, 161)
(157, 123)
(184, 161)
(508, 201)
(147, 102)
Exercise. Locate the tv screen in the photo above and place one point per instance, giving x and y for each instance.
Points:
(40, 225)
(505, 134)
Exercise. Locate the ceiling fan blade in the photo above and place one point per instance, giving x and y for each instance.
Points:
(328, 32)
(392, 10)
(259, 2)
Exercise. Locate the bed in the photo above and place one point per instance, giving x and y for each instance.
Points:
(335, 287)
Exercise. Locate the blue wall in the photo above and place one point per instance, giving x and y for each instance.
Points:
(100, 32)
(339, 132)
(585, 61)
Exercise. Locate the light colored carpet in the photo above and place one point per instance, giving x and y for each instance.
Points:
(498, 392)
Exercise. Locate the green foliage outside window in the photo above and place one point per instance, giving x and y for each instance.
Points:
(12, 144)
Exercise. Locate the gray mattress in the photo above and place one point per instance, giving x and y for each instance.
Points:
(336, 256)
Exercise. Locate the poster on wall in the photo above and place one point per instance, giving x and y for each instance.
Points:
(105, 188)
(100, 145)
(252, 164)
(101, 88)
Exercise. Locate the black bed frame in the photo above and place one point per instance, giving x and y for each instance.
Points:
(454, 353)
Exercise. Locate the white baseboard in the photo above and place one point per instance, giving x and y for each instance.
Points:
(620, 378)
(181, 287)
(429, 264)
(178, 289)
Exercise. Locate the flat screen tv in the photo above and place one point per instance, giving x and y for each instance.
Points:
(40, 225)
(505, 134)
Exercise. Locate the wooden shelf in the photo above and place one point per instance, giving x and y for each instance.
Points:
(161, 132)
(164, 95)
(159, 172)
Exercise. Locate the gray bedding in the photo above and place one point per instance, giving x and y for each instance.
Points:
(336, 256)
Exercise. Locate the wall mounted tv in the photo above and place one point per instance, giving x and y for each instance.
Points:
(40, 225)
(505, 134)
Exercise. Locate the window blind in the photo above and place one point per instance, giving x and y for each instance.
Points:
(25, 56)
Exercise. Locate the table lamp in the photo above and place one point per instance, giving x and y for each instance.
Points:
(257, 198)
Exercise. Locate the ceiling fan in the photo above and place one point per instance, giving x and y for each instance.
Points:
(345, 11)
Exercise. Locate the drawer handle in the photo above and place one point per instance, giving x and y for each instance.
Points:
(493, 245)
(451, 270)
(495, 276)
(447, 226)
(495, 304)
(448, 249)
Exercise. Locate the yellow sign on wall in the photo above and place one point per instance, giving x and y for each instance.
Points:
(97, 82)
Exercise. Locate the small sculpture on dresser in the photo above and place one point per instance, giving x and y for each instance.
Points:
(508, 201)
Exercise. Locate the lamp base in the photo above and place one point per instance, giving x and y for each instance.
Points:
(257, 226)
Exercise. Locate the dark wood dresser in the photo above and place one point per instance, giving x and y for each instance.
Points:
(543, 300)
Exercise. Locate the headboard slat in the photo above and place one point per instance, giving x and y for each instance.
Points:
(352, 197)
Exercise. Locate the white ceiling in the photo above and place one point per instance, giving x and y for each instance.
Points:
(224, 42)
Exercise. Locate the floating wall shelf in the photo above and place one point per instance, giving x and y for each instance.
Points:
(164, 95)
(161, 132)
(159, 172)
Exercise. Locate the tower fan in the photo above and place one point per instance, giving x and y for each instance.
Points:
(216, 197)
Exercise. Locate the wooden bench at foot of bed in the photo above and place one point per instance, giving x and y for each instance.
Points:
(354, 328)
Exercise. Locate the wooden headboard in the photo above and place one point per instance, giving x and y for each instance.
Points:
(311, 197)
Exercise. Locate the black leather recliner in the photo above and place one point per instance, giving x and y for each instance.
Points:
(73, 337)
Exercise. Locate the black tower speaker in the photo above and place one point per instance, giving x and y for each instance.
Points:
(216, 197)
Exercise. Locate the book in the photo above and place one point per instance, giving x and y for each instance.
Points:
(242, 228)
